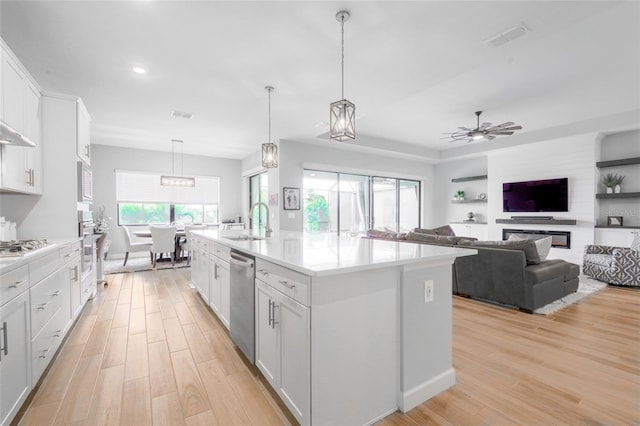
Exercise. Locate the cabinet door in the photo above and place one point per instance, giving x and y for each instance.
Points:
(13, 82)
(15, 356)
(224, 278)
(32, 122)
(83, 137)
(266, 333)
(214, 283)
(295, 364)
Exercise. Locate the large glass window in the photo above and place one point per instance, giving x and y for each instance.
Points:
(351, 204)
(258, 192)
(146, 213)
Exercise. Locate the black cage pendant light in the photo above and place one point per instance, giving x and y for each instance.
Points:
(269, 149)
(342, 113)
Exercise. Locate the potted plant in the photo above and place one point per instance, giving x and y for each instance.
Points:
(612, 181)
(458, 195)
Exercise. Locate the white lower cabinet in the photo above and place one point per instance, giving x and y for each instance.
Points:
(283, 347)
(219, 288)
(15, 356)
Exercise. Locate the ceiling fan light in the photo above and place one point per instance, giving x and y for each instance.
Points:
(342, 120)
(269, 155)
(477, 137)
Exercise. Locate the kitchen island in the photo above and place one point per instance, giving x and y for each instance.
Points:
(347, 329)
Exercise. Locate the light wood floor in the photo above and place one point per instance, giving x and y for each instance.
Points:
(147, 351)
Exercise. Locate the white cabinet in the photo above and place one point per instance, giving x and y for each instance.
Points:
(73, 274)
(621, 237)
(283, 346)
(15, 356)
(83, 135)
(21, 166)
(471, 230)
(219, 285)
(200, 270)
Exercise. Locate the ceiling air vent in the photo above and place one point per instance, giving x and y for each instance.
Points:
(507, 35)
(180, 114)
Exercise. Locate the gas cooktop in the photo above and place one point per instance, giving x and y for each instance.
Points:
(20, 247)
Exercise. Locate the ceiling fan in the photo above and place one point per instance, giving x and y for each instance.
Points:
(485, 131)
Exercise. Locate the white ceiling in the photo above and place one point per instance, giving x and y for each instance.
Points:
(414, 69)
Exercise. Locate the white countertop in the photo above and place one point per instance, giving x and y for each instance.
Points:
(327, 254)
(10, 263)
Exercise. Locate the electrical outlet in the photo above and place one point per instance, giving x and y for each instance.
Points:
(428, 291)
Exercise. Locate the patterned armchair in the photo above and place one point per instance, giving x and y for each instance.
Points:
(613, 265)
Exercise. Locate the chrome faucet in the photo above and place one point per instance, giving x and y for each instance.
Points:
(268, 230)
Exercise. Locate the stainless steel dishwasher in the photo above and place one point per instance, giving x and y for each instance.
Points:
(242, 303)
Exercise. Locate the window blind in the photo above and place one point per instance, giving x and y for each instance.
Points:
(133, 186)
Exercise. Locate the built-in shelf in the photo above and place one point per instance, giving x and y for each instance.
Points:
(617, 227)
(470, 222)
(621, 162)
(618, 195)
(468, 201)
(470, 178)
(538, 221)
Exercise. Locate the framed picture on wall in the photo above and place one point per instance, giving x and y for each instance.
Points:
(291, 198)
(614, 221)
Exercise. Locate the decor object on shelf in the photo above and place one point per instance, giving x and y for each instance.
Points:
(269, 149)
(470, 217)
(101, 222)
(174, 180)
(612, 265)
(458, 195)
(614, 220)
(485, 131)
(342, 113)
(291, 198)
(612, 182)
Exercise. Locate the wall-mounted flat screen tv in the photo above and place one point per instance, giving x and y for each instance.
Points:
(549, 195)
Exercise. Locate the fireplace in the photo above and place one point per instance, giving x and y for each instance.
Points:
(559, 239)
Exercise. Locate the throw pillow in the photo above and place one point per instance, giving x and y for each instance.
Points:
(444, 230)
(543, 245)
(635, 244)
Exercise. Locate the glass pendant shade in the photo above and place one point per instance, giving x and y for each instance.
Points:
(177, 181)
(269, 155)
(343, 120)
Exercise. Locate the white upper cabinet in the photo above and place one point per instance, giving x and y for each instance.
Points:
(21, 169)
(83, 140)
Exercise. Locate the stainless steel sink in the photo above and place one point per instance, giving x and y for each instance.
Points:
(244, 237)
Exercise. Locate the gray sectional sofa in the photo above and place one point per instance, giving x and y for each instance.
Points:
(506, 272)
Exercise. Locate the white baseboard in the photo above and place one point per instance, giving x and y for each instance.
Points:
(419, 394)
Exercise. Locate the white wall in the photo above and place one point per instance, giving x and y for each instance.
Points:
(572, 157)
(106, 159)
(295, 156)
(444, 210)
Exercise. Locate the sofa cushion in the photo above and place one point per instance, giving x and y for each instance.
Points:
(605, 260)
(444, 230)
(546, 271)
(543, 245)
(424, 231)
(527, 246)
(374, 233)
(433, 239)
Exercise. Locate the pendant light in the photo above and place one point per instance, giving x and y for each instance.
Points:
(342, 113)
(269, 149)
(177, 180)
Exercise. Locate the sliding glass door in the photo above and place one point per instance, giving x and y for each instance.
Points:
(351, 204)
(258, 192)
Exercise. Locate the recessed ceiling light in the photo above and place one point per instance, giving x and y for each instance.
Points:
(139, 70)
(181, 114)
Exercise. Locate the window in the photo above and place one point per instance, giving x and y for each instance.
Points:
(351, 204)
(142, 200)
(258, 192)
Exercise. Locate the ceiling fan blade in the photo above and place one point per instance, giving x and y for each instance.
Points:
(508, 123)
(484, 126)
(513, 128)
(500, 133)
(465, 128)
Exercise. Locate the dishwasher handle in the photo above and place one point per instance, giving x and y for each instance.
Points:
(240, 262)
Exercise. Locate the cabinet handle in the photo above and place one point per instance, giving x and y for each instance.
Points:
(45, 353)
(33, 177)
(56, 293)
(273, 315)
(5, 340)
(57, 333)
(263, 272)
(215, 271)
(75, 273)
(43, 306)
(287, 284)
(270, 317)
(18, 284)
(87, 149)
(28, 181)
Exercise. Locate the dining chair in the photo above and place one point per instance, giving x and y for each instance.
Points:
(131, 246)
(163, 241)
(185, 245)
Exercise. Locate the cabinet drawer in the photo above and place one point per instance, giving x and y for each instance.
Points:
(46, 298)
(13, 283)
(69, 251)
(46, 343)
(219, 250)
(40, 268)
(291, 283)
